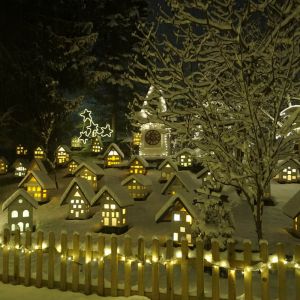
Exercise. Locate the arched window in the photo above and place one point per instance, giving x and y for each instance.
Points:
(13, 227)
(14, 214)
(25, 213)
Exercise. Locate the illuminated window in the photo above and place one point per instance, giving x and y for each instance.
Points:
(175, 236)
(20, 200)
(182, 229)
(188, 219)
(106, 206)
(72, 211)
(176, 217)
(124, 211)
(25, 213)
(113, 206)
(14, 214)
(72, 201)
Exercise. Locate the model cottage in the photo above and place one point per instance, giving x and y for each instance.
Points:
(184, 158)
(37, 165)
(137, 165)
(288, 171)
(97, 144)
(20, 167)
(113, 156)
(3, 165)
(20, 207)
(39, 152)
(73, 164)
(62, 154)
(21, 150)
(113, 201)
(167, 168)
(78, 196)
(138, 186)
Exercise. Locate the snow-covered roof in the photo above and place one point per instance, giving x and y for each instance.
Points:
(202, 172)
(63, 148)
(94, 168)
(2, 158)
(142, 179)
(23, 161)
(140, 159)
(39, 163)
(282, 163)
(113, 146)
(292, 207)
(39, 147)
(76, 159)
(97, 138)
(83, 185)
(169, 161)
(185, 198)
(118, 193)
(19, 193)
(183, 151)
(41, 177)
(186, 178)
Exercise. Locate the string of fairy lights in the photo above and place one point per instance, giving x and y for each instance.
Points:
(271, 264)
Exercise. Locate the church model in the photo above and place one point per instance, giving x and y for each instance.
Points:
(155, 137)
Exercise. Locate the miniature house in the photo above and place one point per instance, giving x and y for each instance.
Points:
(78, 195)
(73, 164)
(292, 210)
(181, 181)
(91, 172)
(136, 138)
(20, 167)
(37, 164)
(138, 165)
(39, 152)
(38, 184)
(113, 156)
(21, 150)
(20, 207)
(97, 145)
(206, 179)
(76, 143)
(3, 165)
(138, 186)
(114, 201)
(62, 154)
(184, 158)
(179, 210)
(288, 171)
(167, 168)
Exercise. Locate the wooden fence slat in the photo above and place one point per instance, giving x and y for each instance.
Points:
(88, 264)
(215, 270)
(155, 268)
(231, 270)
(127, 262)
(75, 262)
(28, 245)
(169, 269)
(39, 259)
(281, 272)
(101, 246)
(63, 260)
(6, 249)
(247, 269)
(114, 266)
(17, 244)
(184, 270)
(264, 256)
(200, 268)
(141, 265)
(297, 270)
(51, 260)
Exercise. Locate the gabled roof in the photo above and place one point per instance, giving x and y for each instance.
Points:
(202, 172)
(94, 168)
(142, 179)
(185, 198)
(97, 138)
(186, 178)
(77, 159)
(42, 178)
(39, 163)
(184, 150)
(23, 161)
(115, 147)
(118, 192)
(42, 148)
(169, 161)
(4, 159)
(140, 159)
(292, 207)
(65, 147)
(282, 163)
(83, 185)
(19, 193)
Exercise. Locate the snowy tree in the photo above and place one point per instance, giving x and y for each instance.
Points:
(227, 69)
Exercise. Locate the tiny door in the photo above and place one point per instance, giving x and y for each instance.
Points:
(77, 214)
(21, 226)
(289, 177)
(106, 221)
(114, 221)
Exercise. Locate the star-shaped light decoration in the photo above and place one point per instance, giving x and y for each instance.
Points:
(106, 131)
(83, 136)
(93, 129)
(86, 114)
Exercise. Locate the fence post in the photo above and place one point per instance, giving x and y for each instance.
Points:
(114, 266)
(141, 265)
(184, 269)
(51, 260)
(17, 245)
(88, 262)
(169, 269)
(297, 270)
(39, 259)
(215, 270)
(200, 268)
(247, 270)
(75, 262)
(127, 266)
(281, 272)
(63, 260)
(6, 248)
(28, 245)
(155, 268)
(264, 256)
(101, 246)
(231, 270)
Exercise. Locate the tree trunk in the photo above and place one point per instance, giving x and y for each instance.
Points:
(257, 214)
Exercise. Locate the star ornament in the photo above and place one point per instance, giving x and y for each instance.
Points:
(86, 114)
(106, 131)
(93, 129)
(83, 136)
